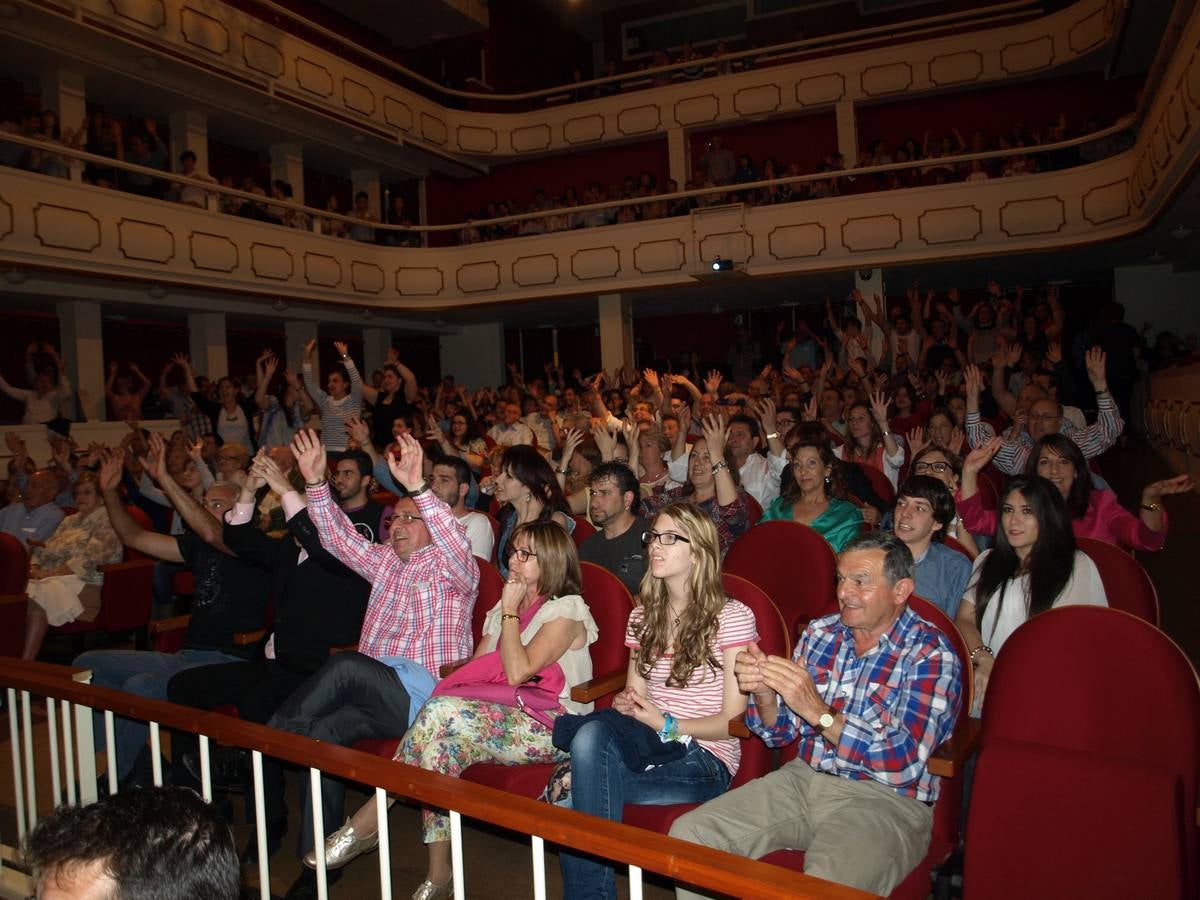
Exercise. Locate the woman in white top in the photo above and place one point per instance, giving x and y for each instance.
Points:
(1033, 567)
(541, 619)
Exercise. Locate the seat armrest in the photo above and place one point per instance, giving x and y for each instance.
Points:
(175, 623)
(594, 688)
(737, 727)
(451, 668)
(346, 649)
(246, 638)
(949, 758)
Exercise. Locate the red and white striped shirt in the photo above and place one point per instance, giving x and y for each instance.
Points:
(419, 608)
(705, 693)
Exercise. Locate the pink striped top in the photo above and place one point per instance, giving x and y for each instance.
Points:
(704, 695)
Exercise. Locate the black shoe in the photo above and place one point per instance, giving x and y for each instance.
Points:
(305, 887)
(276, 831)
(230, 769)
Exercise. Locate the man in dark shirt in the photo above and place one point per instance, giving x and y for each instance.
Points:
(617, 546)
(319, 604)
(231, 596)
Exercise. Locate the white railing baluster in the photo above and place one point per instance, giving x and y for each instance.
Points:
(260, 826)
(85, 753)
(318, 814)
(156, 754)
(69, 752)
(539, 867)
(14, 740)
(635, 883)
(456, 855)
(205, 771)
(110, 744)
(30, 779)
(385, 848)
(55, 778)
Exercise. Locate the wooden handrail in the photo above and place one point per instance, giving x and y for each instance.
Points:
(162, 626)
(667, 856)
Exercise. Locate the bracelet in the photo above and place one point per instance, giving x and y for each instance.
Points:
(1152, 507)
(670, 729)
(982, 648)
(504, 616)
(772, 435)
(419, 491)
(313, 484)
(719, 466)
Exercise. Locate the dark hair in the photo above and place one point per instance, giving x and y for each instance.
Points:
(951, 457)
(621, 474)
(361, 195)
(834, 487)
(897, 558)
(358, 457)
(530, 468)
(748, 421)
(154, 843)
(852, 450)
(462, 472)
(936, 494)
(1051, 559)
(1081, 487)
(186, 155)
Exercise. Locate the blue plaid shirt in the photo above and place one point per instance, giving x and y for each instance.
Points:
(900, 701)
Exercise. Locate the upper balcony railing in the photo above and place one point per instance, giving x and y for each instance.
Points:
(225, 43)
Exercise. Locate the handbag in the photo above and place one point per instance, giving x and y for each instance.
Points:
(483, 678)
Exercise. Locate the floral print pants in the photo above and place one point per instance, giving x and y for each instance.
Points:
(452, 733)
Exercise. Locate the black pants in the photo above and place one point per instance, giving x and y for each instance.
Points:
(258, 688)
(351, 698)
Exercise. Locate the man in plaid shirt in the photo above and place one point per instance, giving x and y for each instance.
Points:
(424, 583)
(868, 696)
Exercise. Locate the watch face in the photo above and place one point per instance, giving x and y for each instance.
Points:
(826, 719)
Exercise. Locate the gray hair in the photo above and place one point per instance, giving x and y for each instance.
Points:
(897, 558)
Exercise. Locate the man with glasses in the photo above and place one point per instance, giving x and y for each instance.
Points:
(424, 584)
(231, 596)
(924, 510)
(868, 695)
(613, 495)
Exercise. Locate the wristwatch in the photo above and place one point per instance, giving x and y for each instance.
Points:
(772, 435)
(826, 720)
(1155, 506)
(419, 491)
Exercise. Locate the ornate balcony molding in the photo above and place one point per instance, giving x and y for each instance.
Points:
(213, 36)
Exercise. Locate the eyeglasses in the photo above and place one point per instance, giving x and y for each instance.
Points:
(402, 518)
(521, 553)
(665, 538)
(922, 467)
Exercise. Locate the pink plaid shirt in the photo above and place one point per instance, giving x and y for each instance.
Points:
(420, 608)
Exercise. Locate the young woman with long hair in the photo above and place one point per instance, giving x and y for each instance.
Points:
(1032, 567)
(684, 636)
(870, 440)
(526, 483)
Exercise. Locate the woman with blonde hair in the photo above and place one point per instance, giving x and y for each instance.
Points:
(684, 636)
(539, 623)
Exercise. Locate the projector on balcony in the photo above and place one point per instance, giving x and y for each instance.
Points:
(721, 269)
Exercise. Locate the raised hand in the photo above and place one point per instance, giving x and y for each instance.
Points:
(1013, 354)
(310, 456)
(1054, 353)
(155, 460)
(112, 462)
(195, 450)
(973, 382)
(982, 455)
(917, 441)
(309, 349)
(1097, 364)
(651, 378)
(407, 469)
(810, 411)
(265, 468)
(716, 433)
(359, 430)
(957, 438)
(713, 380)
(572, 438)
(879, 405)
(765, 411)
(181, 360)
(605, 440)
(291, 378)
(341, 348)
(1180, 484)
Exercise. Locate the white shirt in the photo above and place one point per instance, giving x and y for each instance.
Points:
(511, 435)
(759, 475)
(479, 533)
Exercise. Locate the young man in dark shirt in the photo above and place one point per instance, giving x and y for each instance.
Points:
(617, 546)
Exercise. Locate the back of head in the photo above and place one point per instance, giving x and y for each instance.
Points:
(151, 843)
(530, 468)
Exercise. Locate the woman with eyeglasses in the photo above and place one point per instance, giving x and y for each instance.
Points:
(815, 496)
(1033, 566)
(525, 482)
(1095, 513)
(683, 636)
(540, 621)
(946, 467)
(870, 441)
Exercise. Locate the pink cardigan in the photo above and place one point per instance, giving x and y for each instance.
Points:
(1105, 520)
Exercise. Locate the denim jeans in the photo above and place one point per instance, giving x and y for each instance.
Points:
(143, 673)
(601, 784)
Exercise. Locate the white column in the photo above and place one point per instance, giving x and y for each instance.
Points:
(287, 164)
(368, 180)
(616, 331)
(296, 335)
(422, 210)
(475, 357)
(81, 335)
(679, 161)
(189, 131)
(376, 342)
(206, 344)
(870, 287)
(847, 131)
(63, 91)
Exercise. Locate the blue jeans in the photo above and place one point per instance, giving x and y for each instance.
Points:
(601, 784)
(143, 673)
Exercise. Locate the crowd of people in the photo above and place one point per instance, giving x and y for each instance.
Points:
(949, 455)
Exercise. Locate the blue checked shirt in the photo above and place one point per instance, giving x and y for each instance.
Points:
(900, 701)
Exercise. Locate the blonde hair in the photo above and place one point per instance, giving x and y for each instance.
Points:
(698, 625)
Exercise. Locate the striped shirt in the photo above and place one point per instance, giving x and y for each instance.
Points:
(1014, 452)
(705, 692)
(419, 608)
(900, 701)
(334, 413)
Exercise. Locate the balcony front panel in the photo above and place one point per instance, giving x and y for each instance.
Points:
(217, 38)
